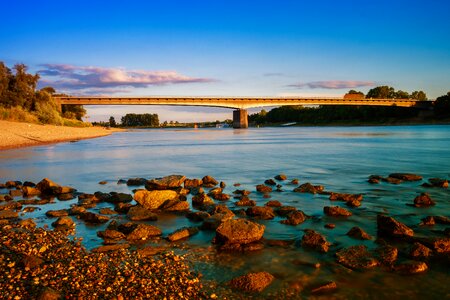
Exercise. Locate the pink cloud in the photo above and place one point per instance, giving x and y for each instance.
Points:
(333, 84)
(75, 78)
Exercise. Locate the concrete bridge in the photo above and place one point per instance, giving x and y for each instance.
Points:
(239, 104)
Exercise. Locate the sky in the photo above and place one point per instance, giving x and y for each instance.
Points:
(227, 48)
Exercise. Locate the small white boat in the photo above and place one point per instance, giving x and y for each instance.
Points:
(289, 124)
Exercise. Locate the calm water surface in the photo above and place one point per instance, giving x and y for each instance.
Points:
(340, 158)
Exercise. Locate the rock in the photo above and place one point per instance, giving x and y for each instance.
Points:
(109, 248)
(63, 190)
(270, 182)
(64, 223)
(295, 218)
(406, 176)
(221, 209)
(439, 245)
(12, 184)
(427, 221)
(346, 197)
(29, 191)
(28, 223)
(436, 182)
(411, 267)
(254, 246)
(281, 177)
(353, 203)
(373, 180)
(279, 243)
(182, 233)
(46, 186)
(123, 208)
(102, 197)
(175, 205)
(143, 232)
(315, 241)
(48, 293)
(57, 213)
(149, 251)
(285, 210)
(392, 180)
(242, 192)
(139, 213)
(221, 197)
(309, 188)
(323, 288)
(261, 212)
(15, 193)
(294, 181)
(121, 181)
(93, 218)
(103, 182)
(358, 233)
(31, 261)
(165, 183)
(11, 205)
(245, 202)
(336, 211)
(196, 191)
(119, 198)
(424, 200)
(330, 226)
(214, 191)
(110, 234)
(419, 251)
(107, 211)
(154, 199)
(198, 216)
(201, 199)
(209, 181)
(136, 181)
(239, 232)
(388, 226)
(192, 183)
(76, 210)
(273, 203)
(441, 220)
(222, 185)
(252, 282)
(387, 254)
(214, 221)
(8, 214)
(356, 257)
(263, 188)
(65, 197)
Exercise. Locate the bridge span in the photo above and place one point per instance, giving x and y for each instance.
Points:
(239, 104)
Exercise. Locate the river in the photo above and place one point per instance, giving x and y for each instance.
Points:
(339, 158)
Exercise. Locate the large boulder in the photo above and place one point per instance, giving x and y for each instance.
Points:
(154, 199)
(46, 186)
(388, 226)
(315, 241)
(356, 257)
(252, 282)
(29, 191)
(168, 182)
(239, 232)
(120, 198)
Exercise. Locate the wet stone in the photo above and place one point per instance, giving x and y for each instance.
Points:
(182, 233)
(315, 241)
(239, 232)
(406, 176)
(295, 218)
(64, 222)
(57, 213)
(192, 183)
(358, 233)
(143, 232)
(419, 252)
(15, 193)
(263, 188)
(8, 214)
(245, 202)
(270, 182)
(356, 257)
(330, 226)
(336, 211)
(93, 218)
(387, 254)
(284, 210)
(107, 211)
(65, 197)
(209, 181)
(424, 200)
(281, 177)
(165, 183)
(436, 182)
(136, 181)
(111, 234)
(261, 212)
(346, 197)
(123, 208)
(411, 267)
(175, 206)
(392, 180)
(309, 188)
(388, 226)
(252, 282)
(154, 199)
(324, 288)
(273, 203)
(198, 216)
(139, 213)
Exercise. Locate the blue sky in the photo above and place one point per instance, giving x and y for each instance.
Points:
(223, 48)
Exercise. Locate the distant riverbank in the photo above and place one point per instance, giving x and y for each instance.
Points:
(16, 134)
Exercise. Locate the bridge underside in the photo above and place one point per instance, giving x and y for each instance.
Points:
(240, 105)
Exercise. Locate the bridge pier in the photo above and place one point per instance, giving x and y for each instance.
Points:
(240, 118)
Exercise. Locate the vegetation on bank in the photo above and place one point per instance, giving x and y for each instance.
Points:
(356, 115)
(20, 100)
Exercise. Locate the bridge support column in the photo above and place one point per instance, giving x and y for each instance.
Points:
(240, 118)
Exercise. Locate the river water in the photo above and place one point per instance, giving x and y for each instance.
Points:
(339, 158)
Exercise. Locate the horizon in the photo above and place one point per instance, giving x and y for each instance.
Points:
(228, 49)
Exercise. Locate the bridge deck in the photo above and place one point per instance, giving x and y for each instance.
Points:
(233, 102)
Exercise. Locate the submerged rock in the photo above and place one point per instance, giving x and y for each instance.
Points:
(143, 232)
(139, 213)
(93, 218)
(388, 226)
(345, 197)
(387, 254)
(309, 188)
(273, 203)
(209, 181)
(419, 252)
(165, 183)
(323, 288)
(263, 188)
(261, 212)
(197, 216)
(182, 233)
(406, 176)
(424, 200)
(154, 199)
(356, 257)
(136, 181)
(295, 218)
(270, 182)
(252, 282)
(392, 180)
(436, 182)
(285, 210)
(192, 183)
(314, 240)
(281, 177)
(239, 232)
(411, 267)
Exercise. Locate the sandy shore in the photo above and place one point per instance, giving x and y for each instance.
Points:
(15, 134)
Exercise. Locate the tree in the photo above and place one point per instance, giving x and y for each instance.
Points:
(112, 122)
(353, 92)
(381, 92)
(73, 112)
(49, 90)
(442, 105)
(401, 95)
(5, 77)
(419, 95)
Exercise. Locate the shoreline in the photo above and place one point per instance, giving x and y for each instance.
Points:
(19, 135)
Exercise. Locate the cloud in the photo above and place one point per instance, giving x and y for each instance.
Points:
(92, 80)
(273, 74)
(333, 84)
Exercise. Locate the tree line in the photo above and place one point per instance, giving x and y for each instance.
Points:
(354, 114)
(19, 95)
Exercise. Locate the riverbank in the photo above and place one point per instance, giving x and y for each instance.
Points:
(16, 134)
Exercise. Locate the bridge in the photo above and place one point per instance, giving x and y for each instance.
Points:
(239, 104)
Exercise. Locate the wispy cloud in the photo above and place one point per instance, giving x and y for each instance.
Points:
(273, 74)
(69, 78)
(333, 84)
